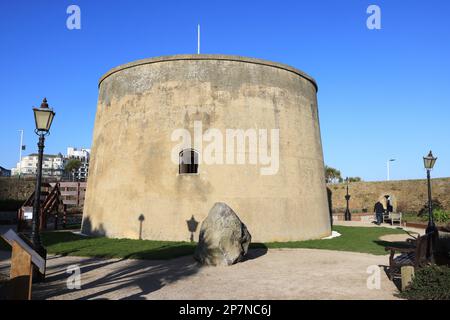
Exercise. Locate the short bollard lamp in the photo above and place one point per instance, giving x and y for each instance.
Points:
(43, 117)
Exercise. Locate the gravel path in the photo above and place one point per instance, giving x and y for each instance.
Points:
(272, 274)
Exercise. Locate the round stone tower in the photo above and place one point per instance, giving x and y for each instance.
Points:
(175, 134)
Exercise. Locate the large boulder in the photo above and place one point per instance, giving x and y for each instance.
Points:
(223, 238)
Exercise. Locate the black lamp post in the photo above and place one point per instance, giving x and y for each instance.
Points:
(429, 162)
(43, 117)
(348, 215)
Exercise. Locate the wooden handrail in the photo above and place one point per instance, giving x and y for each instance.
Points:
(51, 201)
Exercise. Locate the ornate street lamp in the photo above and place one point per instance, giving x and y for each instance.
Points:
(348, 215)
(428, 163)
(43, 117)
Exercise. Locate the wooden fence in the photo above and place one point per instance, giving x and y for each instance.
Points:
(72, 193)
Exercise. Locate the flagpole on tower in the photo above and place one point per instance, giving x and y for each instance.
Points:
(20, 152)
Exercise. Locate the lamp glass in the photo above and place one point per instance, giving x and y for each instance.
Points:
(43, 118)
(429, 161)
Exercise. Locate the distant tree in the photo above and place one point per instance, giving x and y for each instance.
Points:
(332, 175)
(354, 179)
(71, 166)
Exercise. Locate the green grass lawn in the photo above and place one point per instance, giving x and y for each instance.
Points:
(66, 243)
(356, 239)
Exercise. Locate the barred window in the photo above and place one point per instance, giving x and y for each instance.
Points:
(188, 161)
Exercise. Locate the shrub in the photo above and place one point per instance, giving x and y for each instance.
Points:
(440, 216)
(429, 283)
(435, 205)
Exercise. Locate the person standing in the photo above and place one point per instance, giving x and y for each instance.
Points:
(378, 210)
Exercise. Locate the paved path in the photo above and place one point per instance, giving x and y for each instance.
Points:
(272, 274)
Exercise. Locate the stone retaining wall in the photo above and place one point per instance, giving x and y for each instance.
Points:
(406, 195)
(12, 188)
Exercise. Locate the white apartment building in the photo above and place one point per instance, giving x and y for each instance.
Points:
(83, 155)
(52, 165)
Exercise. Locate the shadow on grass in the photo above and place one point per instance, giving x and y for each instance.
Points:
(49, 239)
(52, 238)
(397, 244)
(69, 244)
(163, 253)
(118, 248)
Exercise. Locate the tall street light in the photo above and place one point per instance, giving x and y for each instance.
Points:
(388, 168)
(428, 163)
(43, 117)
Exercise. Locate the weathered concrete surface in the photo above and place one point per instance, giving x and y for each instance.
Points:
(131, 172)
(275, 274)
(224, 238)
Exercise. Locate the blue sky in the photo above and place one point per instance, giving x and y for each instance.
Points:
(382, 93)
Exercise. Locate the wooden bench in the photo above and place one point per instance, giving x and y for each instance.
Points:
(393, 217)
(416, 252)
